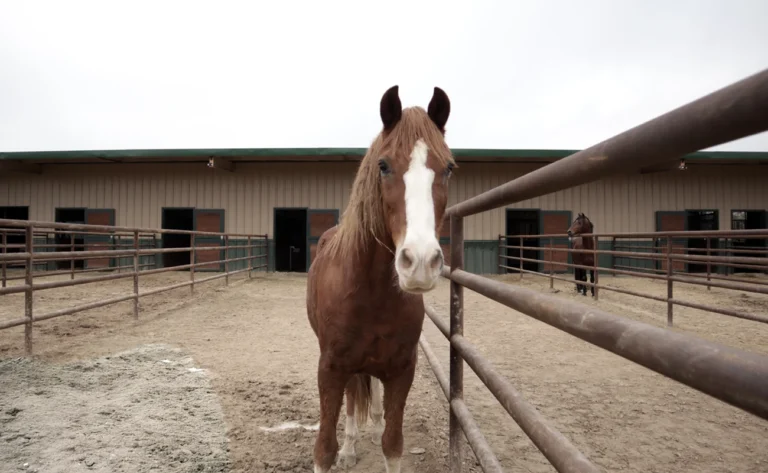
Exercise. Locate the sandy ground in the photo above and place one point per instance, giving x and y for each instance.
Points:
(107, 393)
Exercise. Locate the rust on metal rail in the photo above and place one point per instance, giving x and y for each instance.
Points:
(735, 376)
(30, 258)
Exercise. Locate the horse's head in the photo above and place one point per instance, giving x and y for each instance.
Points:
(415, 165)
(582, 224)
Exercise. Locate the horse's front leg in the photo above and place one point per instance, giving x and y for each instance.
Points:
(592, 280)
(331, 385)
(347, 456)
(395, 394)
(377, 411)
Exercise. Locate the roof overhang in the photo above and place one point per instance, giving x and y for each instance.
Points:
(25, 161)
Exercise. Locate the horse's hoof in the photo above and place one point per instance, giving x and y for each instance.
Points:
(346, 460)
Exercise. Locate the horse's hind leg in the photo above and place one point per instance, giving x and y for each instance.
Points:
(592, 280)
(347, 457)
(377, 411)
(395, 394)
(331, 385)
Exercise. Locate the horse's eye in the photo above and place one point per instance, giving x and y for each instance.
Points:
(384, 167)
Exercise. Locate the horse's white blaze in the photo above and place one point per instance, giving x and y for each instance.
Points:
(415, 255)
(419, 207)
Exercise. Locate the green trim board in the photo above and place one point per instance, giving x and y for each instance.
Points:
(469, 154)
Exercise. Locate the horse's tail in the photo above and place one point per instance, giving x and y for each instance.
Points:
(362, 387)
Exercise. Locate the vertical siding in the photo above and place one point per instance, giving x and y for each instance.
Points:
(137, 192)
(622, 203)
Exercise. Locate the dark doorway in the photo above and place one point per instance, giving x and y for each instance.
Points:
(748, 220)
(522, 222)
(177, 219)
(64, 240)
(701, 220)
(291, 240)
(15, 235)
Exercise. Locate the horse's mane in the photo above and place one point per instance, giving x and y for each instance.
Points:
(363, 220)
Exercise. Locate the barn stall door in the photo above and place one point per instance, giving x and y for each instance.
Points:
(318, 221)
(672, 221)
(554, 222)
(103, 240)
(207, 247)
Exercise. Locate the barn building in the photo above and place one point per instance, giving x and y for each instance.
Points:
(291, 194)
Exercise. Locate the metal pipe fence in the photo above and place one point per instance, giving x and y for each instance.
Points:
(734, 376)
(105, 248)
(553, 259)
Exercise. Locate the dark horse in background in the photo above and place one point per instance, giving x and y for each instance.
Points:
(580, 226)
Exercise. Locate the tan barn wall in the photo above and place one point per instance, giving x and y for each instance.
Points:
(137, 192)
(620, 204)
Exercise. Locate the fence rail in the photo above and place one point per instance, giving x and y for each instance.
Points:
(737, 377)
(208, 251)
(550, 261)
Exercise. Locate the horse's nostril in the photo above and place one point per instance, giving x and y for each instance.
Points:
(406, 258)
(437, 259)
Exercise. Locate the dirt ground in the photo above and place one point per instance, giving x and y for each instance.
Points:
(224, 380)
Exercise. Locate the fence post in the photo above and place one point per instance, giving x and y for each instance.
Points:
(5, 250)
(669, 281)
(226, 259)
(29, 292)
(709, 269)
(119, 246)
(499, 269)
(596, 266)
(551, 266)
(457, 328)
(136, 274)
(193, 261)
(613, 257)
(266, 251)
(521, 258)
(250, 258)
(72, 260)
(156, 255)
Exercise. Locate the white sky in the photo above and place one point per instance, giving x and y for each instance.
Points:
(279, 73)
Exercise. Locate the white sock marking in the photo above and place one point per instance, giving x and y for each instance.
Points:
(393, 464)
(350, 437)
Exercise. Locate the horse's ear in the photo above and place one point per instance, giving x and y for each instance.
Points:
(390, 109)
(439, 108)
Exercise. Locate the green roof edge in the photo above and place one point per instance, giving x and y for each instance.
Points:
(320, 152)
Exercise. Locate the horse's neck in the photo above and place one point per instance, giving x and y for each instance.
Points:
(374, 263)
(588, 243)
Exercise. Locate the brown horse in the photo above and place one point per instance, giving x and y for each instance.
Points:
(582, 225)
(365, 286)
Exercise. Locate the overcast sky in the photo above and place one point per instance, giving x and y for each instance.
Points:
(279, 73)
